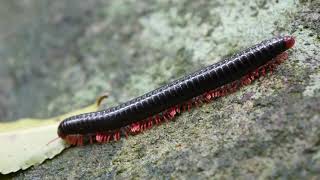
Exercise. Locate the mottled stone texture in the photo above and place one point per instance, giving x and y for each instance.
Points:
(75, 51)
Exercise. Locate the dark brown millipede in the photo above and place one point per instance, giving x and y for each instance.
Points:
(164, 103)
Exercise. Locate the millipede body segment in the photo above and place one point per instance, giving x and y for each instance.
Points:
(166, 102)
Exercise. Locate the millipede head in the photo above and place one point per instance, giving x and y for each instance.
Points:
(60, 133)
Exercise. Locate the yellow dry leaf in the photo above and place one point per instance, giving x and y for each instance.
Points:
(25, 142)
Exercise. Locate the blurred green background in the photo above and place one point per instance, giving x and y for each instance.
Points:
(40, 58)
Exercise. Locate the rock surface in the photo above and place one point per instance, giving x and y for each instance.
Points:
(75, 51)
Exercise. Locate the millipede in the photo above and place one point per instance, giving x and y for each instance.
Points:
(166, 102)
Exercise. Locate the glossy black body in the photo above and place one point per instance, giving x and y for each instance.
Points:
(176, 92)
